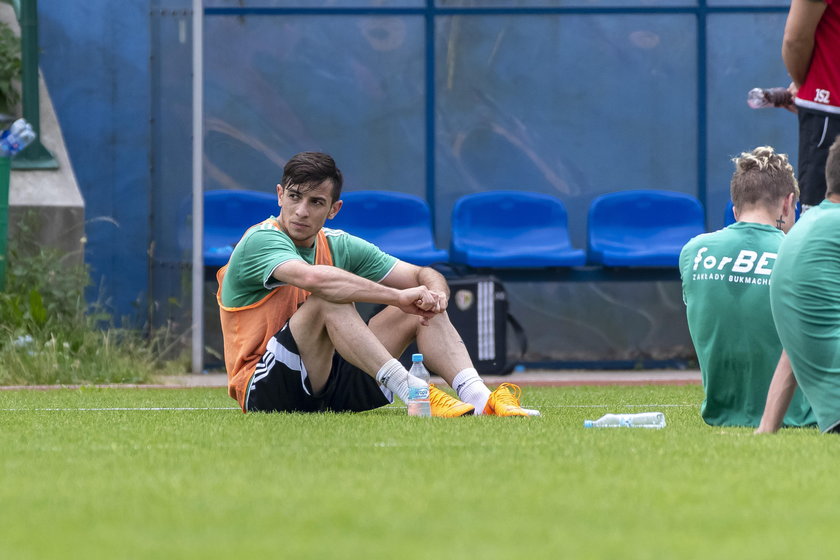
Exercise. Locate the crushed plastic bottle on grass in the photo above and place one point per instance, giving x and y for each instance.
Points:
(654, 420)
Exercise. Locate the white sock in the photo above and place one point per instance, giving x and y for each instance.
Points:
(393, 376)
(471, 389)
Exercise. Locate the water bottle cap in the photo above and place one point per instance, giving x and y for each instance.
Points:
(416, 358)
(587, 423)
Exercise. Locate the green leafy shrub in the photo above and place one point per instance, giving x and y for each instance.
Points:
(50, 334)
(9, 68)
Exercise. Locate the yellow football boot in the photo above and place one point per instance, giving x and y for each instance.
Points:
(504, 401)
(444, 406)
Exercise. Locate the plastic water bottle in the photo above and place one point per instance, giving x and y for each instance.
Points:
(641, 420)
(16, 138)
(418, 388)
(758, 98)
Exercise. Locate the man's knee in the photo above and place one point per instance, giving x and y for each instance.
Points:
(441, 320)
(316, 304)
(394, 322)
(318, 311)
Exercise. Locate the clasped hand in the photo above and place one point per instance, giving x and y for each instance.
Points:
(423, 302)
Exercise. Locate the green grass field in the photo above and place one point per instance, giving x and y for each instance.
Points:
(132, 482)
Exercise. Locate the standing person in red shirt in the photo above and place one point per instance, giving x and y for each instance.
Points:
(811, 53)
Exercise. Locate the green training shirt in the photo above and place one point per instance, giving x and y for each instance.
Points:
(264, 247)
(805, 296)
(726, 289)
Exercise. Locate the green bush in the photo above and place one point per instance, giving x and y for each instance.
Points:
(9, 68)
(50, 334)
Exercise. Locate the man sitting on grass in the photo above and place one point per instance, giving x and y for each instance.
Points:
(726, 288)
(294, 341)
(805, 296)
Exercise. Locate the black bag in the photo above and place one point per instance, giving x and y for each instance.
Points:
(478, 308)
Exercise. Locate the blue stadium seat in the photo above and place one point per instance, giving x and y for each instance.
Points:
(728, 215)
(512, 229)
(400, 224)
(227, 214)
(642, 227)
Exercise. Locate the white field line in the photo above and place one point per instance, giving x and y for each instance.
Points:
(191, 408)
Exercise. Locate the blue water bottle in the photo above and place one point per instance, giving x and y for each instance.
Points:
(16, 138)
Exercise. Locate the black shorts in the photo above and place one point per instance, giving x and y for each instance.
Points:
(817, 131)
(280, 383)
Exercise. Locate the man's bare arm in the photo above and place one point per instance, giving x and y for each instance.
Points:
(798, 42)
(339, 286)
(405, 275)
(778, 396)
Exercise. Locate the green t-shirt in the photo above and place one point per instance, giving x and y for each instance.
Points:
(726, 289)
(805, 297)
(248, 278)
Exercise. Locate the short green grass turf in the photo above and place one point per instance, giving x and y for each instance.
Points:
(215, 483)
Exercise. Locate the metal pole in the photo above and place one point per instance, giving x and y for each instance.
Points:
(198, 190)
(431, 114)
(34, 156)
(702, 107)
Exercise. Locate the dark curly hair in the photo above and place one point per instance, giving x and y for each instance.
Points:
(307, 170)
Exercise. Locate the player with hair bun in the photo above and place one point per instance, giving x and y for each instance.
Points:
(726, 289)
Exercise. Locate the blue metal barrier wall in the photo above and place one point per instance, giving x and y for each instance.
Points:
(438, 99)
(95, 59)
